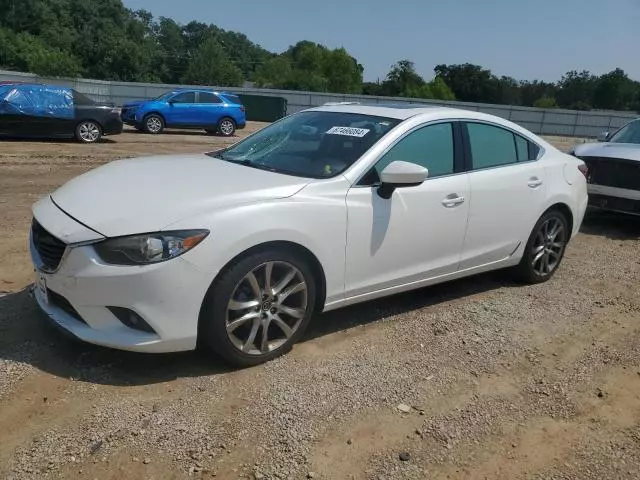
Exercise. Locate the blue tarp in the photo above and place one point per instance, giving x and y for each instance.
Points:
(37, 101)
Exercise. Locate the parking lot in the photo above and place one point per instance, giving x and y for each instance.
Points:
(480, 378)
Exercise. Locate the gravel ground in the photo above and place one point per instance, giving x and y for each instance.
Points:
(479, 378)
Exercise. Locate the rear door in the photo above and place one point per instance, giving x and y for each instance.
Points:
(209, 109)
(507, 186)
(181, 111)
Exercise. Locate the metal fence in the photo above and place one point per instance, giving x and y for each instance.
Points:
(542, 121)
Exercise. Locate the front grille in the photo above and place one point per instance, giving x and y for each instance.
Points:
(128, 113)
(613, 172)
(64, 305)
(49, 248)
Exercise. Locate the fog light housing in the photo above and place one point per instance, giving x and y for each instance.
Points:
(131, 319)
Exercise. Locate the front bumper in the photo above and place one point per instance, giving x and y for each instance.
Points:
(167, 296)
(614, 199)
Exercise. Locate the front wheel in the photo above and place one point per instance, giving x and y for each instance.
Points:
(88, 131)
(226, 127)
(259, 307)
(545, 248)
(153, 124)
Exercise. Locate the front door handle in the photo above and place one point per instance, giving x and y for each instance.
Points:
(534, 182)
(452, 200)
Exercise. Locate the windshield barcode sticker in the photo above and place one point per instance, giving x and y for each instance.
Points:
(348, 131)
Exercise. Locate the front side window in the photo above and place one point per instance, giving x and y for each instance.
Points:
(493, 146)
(630, 133)
(310, 144)
(430, 147)
(208, 97)
(185, 97)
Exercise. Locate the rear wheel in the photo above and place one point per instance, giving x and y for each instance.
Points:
(259, 307)
(545, 248)
(153, 124)
(226, 127)
(88, 131)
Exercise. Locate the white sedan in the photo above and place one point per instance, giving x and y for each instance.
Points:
(237, 249)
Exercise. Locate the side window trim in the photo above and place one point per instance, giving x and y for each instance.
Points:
(458, 154)
(469, 156)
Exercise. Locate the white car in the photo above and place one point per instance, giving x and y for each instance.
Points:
(237, 249)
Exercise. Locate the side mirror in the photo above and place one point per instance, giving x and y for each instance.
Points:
(603, 137)
(400, 174)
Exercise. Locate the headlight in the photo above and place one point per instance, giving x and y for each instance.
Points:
(148, 248)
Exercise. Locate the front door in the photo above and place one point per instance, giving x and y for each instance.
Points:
(181, 111)
(419, 232)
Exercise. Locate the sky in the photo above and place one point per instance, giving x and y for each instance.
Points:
(527, 40)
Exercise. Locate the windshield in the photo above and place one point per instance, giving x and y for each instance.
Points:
(630, 133)
(310, 144)
(161, 97)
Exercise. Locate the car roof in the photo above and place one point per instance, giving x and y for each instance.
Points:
(202, 89)
(400, 111)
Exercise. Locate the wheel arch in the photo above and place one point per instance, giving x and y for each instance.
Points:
(155, 112)
(302, 251)
(565, 210)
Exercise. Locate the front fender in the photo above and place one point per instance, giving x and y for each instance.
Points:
(319, 226)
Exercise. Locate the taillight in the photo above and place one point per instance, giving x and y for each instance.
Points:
(584, 169)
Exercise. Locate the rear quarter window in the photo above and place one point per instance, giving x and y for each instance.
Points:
(233, 99)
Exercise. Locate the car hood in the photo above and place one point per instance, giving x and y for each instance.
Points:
(136, 103)
(629, 151)
(147, 194)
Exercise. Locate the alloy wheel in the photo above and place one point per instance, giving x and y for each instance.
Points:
(226, 127)
(154, 124)
(89, 132)
(266, 308)
(548, 246)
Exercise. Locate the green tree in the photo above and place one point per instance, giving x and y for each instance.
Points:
(469, 83)
(614, 90)
(211, 66)
(545, 102)
(440, 90)
(575, 90)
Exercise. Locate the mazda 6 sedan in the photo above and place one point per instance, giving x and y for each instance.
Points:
(238, 249)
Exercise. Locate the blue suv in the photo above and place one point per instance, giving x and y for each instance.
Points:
(215, 112)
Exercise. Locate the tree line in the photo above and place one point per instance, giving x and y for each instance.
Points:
(102, 39)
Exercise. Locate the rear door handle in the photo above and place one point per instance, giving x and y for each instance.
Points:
(534, 182)
(452, 200)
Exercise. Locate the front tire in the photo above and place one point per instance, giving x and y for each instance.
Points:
(88, 131)
(259, 307)
(226, 127)
(153, 124)
(545, 248)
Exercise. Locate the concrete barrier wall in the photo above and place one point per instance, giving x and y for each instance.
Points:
(541, 121)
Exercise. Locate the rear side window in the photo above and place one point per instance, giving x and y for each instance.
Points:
(185, 97)
(208, 97)
(493, 146)
(233, 99)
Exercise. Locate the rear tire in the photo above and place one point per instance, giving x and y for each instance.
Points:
(88, 131)
(153, 124)
(241, 303)
(545, 248)
(226, 127)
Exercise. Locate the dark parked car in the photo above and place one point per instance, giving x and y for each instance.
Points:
(614, 169)
(215, 112)
(49, 111)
